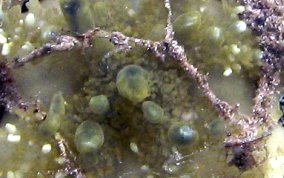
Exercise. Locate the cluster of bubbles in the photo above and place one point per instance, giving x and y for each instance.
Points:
(132, 83)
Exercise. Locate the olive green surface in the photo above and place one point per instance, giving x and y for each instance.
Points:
(116, 134)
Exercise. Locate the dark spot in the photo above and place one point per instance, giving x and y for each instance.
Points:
(132, 72)
(242, 157)
(281, 103)
(24, 7)
(281, 121)
(46, 49)
(167, 46)
(2, 112)
(8, 92)
(259, 21)
(71, 7)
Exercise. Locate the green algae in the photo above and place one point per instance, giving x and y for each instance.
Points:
(78, 14)
(212, 43)
(55, 115)
(153, 112)
(99, 104)
(182, 134)
(89, 137)
(132, 83)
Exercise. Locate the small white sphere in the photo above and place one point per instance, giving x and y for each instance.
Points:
(227, 72)
(6, 49)
(30, 20)
(235, 49)
(11, 129)
(239, 9)
(240, 26)
(13, 138)
(46, 148)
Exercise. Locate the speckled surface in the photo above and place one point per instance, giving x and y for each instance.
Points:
(215, 40)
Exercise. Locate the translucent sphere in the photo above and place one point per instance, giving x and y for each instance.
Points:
(99, 104)
(187, 25)
(217, 127)
(182, 134)
(56, 114)
(153, 112)
(132, 83)
(89, 137)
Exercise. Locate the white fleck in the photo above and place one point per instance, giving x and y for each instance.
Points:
(131, 12)
(274, 162)
(145, 168)
(21, 22)
(170, 168)
(202, 8)
(30, 20)
(235, 49)
(10, 174)
(239, 9)
(190, 115)
(31, 143)
(27, 46)
(13, 138)
(191, 21)
(60, 160)
(16, 37)
(241, 26)
(216, 33)
(47, 34)
(46, 148)
(60, 174)
(227, 72)
(134, 147)
(6, 49)
(258, 54)
(11, 129)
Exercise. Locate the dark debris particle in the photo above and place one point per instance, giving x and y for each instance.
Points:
(8, 91)
(2, 112)
(24, 7)
(281, 121)
(242, 157)
(281, 103)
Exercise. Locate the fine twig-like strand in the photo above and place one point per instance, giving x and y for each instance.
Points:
(177, 52)
(263, 100)
(63, 43)
(268, 24)
(160, 49)
(70, 167)
(169, 29)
